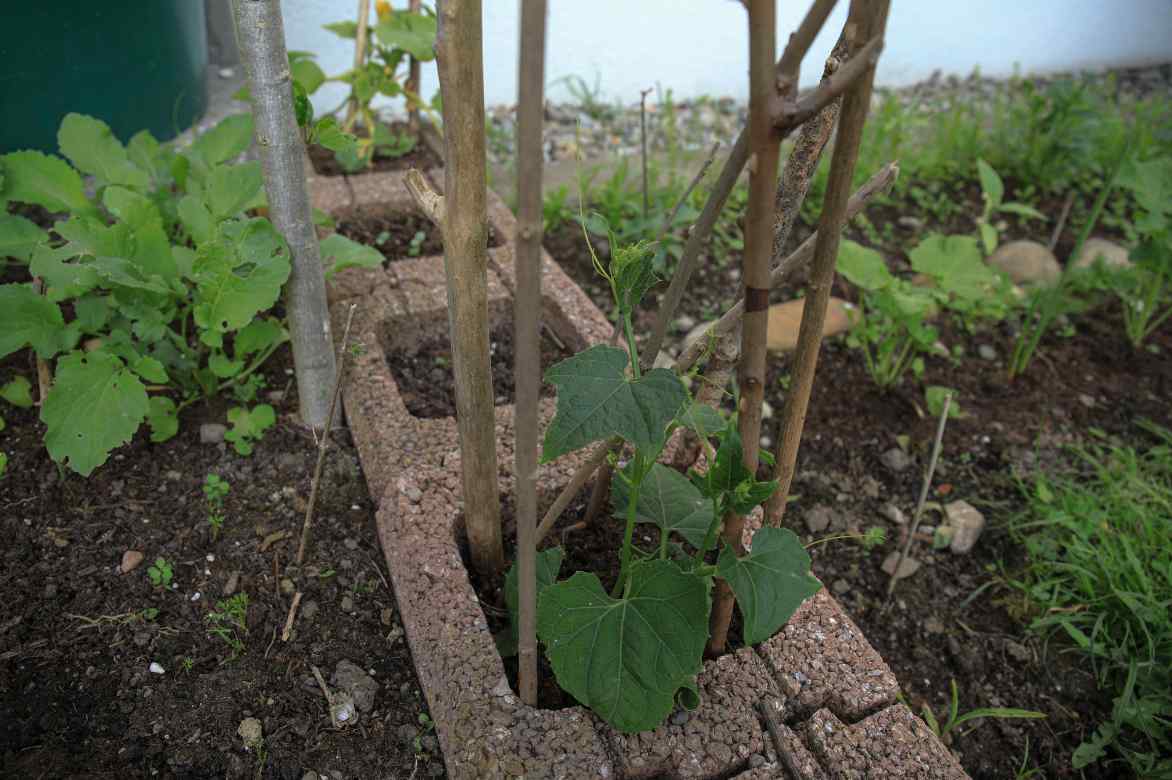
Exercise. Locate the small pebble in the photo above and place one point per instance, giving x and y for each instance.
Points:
(130, 561)
(156, 668)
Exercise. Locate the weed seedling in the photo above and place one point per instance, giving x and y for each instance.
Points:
(416, 244)
(228, 622)
(215, 490)
(160, 573)
(955, 719)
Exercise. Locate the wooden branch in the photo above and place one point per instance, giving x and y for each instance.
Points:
(359, 63)
(803, 160)
(790, 113)
(799, 44)
(765, 147)
(871, 16)
(460, 60)
(796, 260)
(919, 513)
(323, 442)
(287, 632)
(526, 331)
(430, 202)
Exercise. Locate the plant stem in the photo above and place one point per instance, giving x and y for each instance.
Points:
(460, 59)
(628, 534)
(526, 329)
(359, 63)
(256, 363)
(936, 445)
(323, 442)
(870, 21)
(261, 35)
(765, 147)
(643, 144)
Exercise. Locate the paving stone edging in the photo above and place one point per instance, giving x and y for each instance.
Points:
(832, 693)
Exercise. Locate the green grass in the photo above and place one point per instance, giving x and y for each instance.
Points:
(1099, 580)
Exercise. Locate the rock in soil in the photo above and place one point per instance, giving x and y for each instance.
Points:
(1112, 255)
(986, 352)
(1027, 262)
(907, 568)
(818, 518)
(361, 686)
(894, 514)
(967, 524)
(130, 561)
(895, 459)
(212, 433)
(786, 318)
(251, 732)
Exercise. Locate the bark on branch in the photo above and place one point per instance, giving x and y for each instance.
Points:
(430, 202)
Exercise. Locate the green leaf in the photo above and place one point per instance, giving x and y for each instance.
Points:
(307, 73)
(934, 396)
(702, 419)
(18, 392)
(988, 237)
(92, 148)
(626, 658)
(956, 265)
(90, 236)
(137, 211)
(226, 141)
(63, 279)
(239, 274)
(222, 367)
(146, 152)
(596, 400)
(29, 320)
(770, 583)
(339, 253)
(411, 32)
(151, 370)
(248, 426)
(343, 29)
(196, 219)
(163, 418)
(1022, 210)
(667, 500)
(632, 271)
(549, 563)
(259, 335)
(863, 267)
(3, 457)
(33, 177)
(991, 185)
(302, 107)
(95, 405)
(121, 271)
(328, 134)
(19, 236)
(232, 188)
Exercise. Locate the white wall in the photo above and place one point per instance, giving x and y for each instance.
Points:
(698, 47)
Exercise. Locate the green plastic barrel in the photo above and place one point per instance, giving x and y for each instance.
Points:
(134, 64)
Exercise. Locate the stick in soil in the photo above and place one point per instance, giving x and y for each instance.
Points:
(323, 442)
(1058, 227)
(765, 147)
(288, 630)
(855, 106)
(526, 321)
(796, 260)
(359, 62)
(915, 526)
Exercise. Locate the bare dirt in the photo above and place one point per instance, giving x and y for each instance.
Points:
(77, 698)
(955, 619)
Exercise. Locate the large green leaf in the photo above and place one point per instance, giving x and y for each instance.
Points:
(63, 273)
(596, 400)
(339, 253)
(702, 419)
(549, 563)
(196, 219)
(225, 141)
(238, 274)
(414, 33)
(668, 500)
(33, 177)
(96, 404)
(90, 144)
(232, 188)
(19, 236)
(956, 265)
(770, 582)
(29, 320)
(307, 73)
(259, 335)
(626, 658)
(137, 211)
(863, 267)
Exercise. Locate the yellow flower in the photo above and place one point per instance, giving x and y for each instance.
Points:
(382, 8)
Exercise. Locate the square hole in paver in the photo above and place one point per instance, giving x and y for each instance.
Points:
(423, 369)
(398, 235)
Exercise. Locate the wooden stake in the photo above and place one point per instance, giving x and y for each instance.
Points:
(359, 63)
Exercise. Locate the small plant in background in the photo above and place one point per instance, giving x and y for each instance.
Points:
(416, 244)
(890, 327)
(992, 193)
(18, 392)
(955, 719)
(248, 426)
(961, 281)
(588, 98)
(160, 573)
(228, 622)
(1145, 291)
(556, 210)
(215, 490)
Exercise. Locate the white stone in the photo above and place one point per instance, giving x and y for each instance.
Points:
(1113, 255)
(967, 524)
(1027, 262)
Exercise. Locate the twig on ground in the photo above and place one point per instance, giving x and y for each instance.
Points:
(325, 438)
(919, 513)
(766, 709)
(288, 630)
(1061, 221)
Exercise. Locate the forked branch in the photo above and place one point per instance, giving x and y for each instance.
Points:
(430, 202)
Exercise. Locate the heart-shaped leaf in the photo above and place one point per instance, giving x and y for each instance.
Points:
(626, 658)
(596, 400)
(668, 500)
(770, 582)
